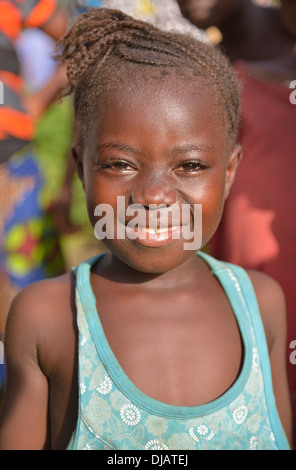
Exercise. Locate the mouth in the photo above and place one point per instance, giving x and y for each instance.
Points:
(155, 228)
(154, 237)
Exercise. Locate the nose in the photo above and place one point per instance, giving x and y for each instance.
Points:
(154, 192)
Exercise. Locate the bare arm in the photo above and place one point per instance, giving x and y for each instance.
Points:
(272, 306)
(23, 418)
(40, 354)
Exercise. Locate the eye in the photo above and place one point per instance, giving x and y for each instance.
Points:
(191, 167)
(117, 166)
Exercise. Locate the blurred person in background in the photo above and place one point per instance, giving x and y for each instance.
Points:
(28, 244)
(164, 14)
(247, 30)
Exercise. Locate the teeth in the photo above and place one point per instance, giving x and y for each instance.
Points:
(149, 230)
(154, 231)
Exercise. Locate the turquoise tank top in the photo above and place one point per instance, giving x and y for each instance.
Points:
(113, 414)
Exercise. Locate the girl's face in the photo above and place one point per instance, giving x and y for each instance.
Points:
(158, 145)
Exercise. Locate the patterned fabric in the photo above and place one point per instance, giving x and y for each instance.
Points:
(29, 247)
(114, 414)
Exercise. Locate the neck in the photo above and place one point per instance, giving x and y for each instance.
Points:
(112, 268)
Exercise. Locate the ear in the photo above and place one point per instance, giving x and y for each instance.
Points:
(232, 165)
(79, 165)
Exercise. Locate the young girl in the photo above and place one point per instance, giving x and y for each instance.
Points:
(151, 345)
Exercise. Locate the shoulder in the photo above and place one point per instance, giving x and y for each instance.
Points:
(272, 305)
(269, 293)
(42, 298)
(39, 317)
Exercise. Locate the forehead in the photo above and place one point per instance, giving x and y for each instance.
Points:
(151, 90)
(152, 106)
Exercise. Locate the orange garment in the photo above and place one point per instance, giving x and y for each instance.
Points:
(13, 122)
(258, 228)
(10, 19)
(19, 14)
(40, 14)
(16, 126)
(29, 245)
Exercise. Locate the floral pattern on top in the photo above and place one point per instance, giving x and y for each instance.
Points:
(109, 419)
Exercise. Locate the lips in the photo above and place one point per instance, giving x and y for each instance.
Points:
(157, 226)
(153, 237)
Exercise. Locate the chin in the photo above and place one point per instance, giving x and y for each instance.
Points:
(153, 260)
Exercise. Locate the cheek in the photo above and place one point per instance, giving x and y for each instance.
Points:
(94, 194)
(97, 191)
(100, 192)
(212, 200)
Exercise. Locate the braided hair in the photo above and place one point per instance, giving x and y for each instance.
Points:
(104, 42)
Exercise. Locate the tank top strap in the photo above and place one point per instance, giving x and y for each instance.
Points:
(100, 372)
(241, 294)
(238, 286)
(235, 278)
(84, 293)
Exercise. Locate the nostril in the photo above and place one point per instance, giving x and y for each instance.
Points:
(149, 196)
(158, 206)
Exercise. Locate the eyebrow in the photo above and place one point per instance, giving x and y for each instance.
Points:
(186, 148)
(118, 146)
(193, 148)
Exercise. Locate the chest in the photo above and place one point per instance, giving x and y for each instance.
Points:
(177, 348)
(181, 349)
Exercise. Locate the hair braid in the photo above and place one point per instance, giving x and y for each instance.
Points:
(102, 36)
